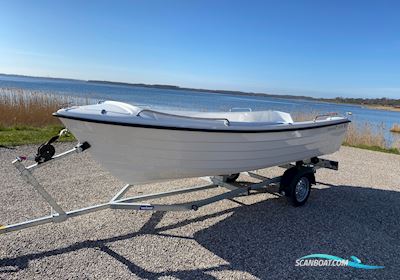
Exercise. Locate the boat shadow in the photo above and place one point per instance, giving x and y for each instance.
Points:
(265, 239)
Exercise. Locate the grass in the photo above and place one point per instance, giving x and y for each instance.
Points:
(395, 151)
(21, 135)
(26, 118)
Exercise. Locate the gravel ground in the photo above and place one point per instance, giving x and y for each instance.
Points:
(352, 212)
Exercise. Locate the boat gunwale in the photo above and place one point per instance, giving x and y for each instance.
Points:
(163, 127)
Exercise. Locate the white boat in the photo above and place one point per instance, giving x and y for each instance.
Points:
(139, 145)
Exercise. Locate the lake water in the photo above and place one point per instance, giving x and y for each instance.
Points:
(194, 100)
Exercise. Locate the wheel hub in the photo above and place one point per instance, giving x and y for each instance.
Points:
(302, 189)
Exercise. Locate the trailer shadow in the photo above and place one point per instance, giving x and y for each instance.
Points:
(264, 239)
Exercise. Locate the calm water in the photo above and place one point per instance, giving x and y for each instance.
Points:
(203, 101)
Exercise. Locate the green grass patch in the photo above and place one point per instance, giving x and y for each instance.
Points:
(375, 148)
(21, 135)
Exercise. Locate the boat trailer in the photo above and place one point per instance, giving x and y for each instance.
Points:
(295, 183)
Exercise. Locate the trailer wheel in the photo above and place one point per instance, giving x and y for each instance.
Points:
(296, 184)
(300, 191)
(231, 178)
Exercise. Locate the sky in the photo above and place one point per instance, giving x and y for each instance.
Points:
(316, 48)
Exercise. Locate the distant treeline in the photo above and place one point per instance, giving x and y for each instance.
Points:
(216, 91)
(366, 101)
(360, 101)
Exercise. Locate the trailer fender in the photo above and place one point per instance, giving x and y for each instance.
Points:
(294, 173)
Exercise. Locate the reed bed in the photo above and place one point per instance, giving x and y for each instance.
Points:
(303, 116)
(395, 128)
(360, 135)
(26, 108)
(366, 135)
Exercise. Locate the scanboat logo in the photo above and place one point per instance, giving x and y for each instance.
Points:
(329, 260)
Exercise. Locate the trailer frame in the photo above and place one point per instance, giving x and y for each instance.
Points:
(119, 201)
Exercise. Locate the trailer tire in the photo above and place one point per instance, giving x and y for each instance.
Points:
(296, 183)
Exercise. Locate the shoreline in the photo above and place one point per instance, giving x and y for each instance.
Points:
(381, 107)
(235, 93)
(336, 100)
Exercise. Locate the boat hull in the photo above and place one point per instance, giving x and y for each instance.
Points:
(140, 155)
